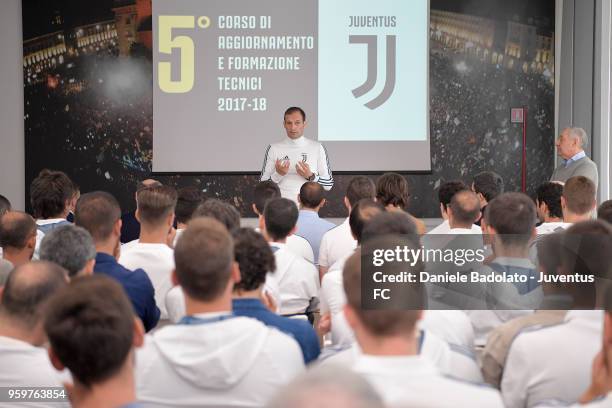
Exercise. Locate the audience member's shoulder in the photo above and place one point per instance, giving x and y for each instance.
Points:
(485, 394)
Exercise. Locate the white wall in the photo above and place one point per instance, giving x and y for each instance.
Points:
(12, 161)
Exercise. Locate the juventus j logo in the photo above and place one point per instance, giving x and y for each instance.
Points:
(304, 157)
(371, 41)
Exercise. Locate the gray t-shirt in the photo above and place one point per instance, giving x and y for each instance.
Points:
(581, 167)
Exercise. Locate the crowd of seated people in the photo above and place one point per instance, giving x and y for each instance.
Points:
(195, 310)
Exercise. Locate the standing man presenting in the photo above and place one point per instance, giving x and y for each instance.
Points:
(296, 160)
(570, 147)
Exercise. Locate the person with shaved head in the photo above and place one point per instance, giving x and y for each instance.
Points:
(17, 237)
(309, 224)
(463, 211)
(24, 300)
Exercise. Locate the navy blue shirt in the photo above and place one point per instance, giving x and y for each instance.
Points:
(301, 331)
(137, 285)
(130, 227)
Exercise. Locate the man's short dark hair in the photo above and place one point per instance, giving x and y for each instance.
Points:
(489, 184)
(49, 193)
(69, 246)
(264, 191)
(189, 198)
(550, 193)
(579, 193)
(587, 250)
(604, 212)
(389, 223)
(28, 289)
(16, 228)
(223, 212)
(203, 257)
(280, 215)
(361, 213)
(254, 257)
(465, 207)
(90, 325)
(392, 189)
(97, 212)
(513, 216)
(5, 205)
(358, 188)
(311, 194)
(389, 321)
(293, 109)
(448, 189)
(155, 204)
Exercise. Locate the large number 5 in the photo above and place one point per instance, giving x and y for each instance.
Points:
(185, 45)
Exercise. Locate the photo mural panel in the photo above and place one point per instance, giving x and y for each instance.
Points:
(88, 89)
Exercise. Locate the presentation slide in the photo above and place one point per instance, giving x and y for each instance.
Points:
(226, 70)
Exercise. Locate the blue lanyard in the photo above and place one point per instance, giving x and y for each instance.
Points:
(193, 320)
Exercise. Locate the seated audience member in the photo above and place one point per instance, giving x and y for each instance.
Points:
(17, 237)
(578, 200)
(390, 358)
(548, 205)
(23, 358)
(327, 387)
(493, 358)
(99, 213)
(151, 251)
(296, 278)
(333, 298)
(52, 199)
(309, 224)
(487, 185)
(445, 193)
(92, 332)
(130, 226)
(510, 223)
(221, 211)
(267, 190)
(463, 211)
(542, 363)
(212, 358)
(393, 193)
(604, 212)
(71, 247)
(188, 199)
(255, 259)
(338, 242)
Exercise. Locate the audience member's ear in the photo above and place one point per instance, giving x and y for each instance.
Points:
(563, 203)
(89, 267)
(55, 361)
(137, 215)
(323, 202)
(1, 292)
(117, 227)
(170, 219)
(174, 278)
(139, 333)
(254, 208)
(443, 212)
(351, 316)
(347, 204)
(262, 224)
(299, 200)
(31, 243)
(236, 277)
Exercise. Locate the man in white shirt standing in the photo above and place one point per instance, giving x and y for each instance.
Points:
(296, 278)
(295, 160)
(23, 358)
(338, 242)
(389, 343)
(212, 358)
(151, 252)
(18, 236)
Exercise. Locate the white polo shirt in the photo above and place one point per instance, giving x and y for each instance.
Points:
(333, 300)
(552, 363)
(296, 278)
(603, 402)
(336, 243)
(453, 326)
(413, 381)
(445, 228)
(24, 365)
(157, 260)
